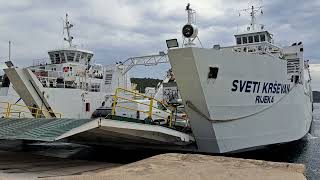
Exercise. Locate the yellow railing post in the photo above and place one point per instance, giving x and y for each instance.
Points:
(113, 112)
(170, 119)
(37, 112)
(150, 108)
(8, 111)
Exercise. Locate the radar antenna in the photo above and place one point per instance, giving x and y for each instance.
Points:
(190, 30)
(253, 11)
(68, 26)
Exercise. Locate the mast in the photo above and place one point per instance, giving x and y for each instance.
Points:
(253, 18)
(191, 15)
(252, 10)
(68, 26)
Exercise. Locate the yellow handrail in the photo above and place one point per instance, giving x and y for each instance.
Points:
(150, 105)
(37, 112)
(5, 108)
(11, 109)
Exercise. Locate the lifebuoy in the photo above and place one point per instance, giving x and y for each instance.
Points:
(65, 69)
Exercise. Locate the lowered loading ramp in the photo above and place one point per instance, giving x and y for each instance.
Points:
(88, 131)
(38, 129)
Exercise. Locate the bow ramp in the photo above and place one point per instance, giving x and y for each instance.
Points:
(88, 131)
(30, 90)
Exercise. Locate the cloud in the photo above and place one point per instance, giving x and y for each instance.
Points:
(117, 29)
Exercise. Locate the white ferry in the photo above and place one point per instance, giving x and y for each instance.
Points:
(243, 96)
(70, 85)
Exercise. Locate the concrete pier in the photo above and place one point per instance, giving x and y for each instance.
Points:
(18, 165)
(200, 167)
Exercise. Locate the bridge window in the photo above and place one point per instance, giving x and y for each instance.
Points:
(70, 56)
(52, 58)
(78, 57)
(238, 40)
(250, 39)
(262, 37)
(89, 58)
(256, 38)
(244, 40)
(57, 58)
(63, 58)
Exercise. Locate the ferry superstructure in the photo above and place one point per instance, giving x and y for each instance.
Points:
(70, 83)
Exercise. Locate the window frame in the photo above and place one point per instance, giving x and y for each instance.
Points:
(256, 36)
(250, 39)
(264, 37)
(244, 40)
(237, 39)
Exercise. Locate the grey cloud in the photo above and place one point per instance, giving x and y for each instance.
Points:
(116, 30)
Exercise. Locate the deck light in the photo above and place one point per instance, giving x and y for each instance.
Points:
(172, 43)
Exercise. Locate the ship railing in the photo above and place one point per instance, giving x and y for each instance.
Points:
(151, 105)
(49, 76)
(40, 62)
(45, 73)
(21, 111)
(257, 48)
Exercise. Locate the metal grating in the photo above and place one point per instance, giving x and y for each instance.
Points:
(293, 65)
(108, 78)
(37, 129)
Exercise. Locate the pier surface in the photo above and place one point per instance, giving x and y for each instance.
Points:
(18, 165)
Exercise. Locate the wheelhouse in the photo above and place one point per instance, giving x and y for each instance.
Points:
(255, 37)
(70, 56)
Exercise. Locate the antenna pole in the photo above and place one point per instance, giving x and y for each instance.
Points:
(68, 29)
(253, 18)
(189, 11)
(68, 26)
(252, 11)
(191, 15)
(9, 50)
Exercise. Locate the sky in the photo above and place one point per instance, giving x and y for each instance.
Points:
(118, 29)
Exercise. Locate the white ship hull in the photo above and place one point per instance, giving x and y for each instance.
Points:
(68, 102)
(235, 111)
